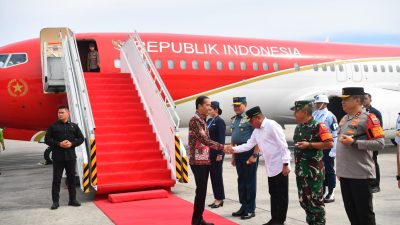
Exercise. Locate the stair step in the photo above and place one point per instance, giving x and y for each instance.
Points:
(121, 114)
(143, 175)
(91, 76)
(114, 99)
(116, 105)
(115, 167)
(135, 186)
(101, 86)
(124, 129)
(115, 80)
(137, 155)
(139, 135)
(127, 146)
(121, 121)
(101, 92)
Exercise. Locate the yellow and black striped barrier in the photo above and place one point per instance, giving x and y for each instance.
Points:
(181, 163)
(86, 178)
(93, 162)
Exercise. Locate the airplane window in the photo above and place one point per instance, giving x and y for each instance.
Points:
(383, 68)
(398, 69)
(356, 68)
(231, 65)
(3, 59)
(219, 65)
(171, 64)
(365, 68)
(332, 66)
(296, 66)
(315, 66)
(16, 59)
(207, 65)
(324, 67)
(195, 65)
(243, 66)
(255, 66)
(265, 66)
(391, 68)
(341, 69)
(158, 63)
(276, 66)
(375, 68)
(183, 64)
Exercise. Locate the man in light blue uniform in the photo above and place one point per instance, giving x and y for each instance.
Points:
(247, 173)
(322, 114)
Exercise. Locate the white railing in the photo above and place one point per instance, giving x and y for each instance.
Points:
(78, 99)
(155, 97)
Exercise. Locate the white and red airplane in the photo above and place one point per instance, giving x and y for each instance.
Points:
(270, 73)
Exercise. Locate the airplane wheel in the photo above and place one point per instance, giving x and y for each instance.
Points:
(47, 156)
(394, 142)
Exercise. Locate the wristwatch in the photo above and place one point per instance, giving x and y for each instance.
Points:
(286, 164)
(397, 177)
(255, 155)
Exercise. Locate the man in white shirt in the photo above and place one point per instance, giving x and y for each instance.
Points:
(269, 137)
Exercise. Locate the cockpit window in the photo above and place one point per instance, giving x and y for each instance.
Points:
(3, 59)
(8, 60)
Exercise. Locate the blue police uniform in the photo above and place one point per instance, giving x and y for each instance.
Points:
(397, 138)
(247, 173)
(327, 117)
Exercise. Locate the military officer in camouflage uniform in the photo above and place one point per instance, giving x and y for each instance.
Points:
(310, 139)
(247, 173)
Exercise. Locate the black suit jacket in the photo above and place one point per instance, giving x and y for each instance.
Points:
(59, 132)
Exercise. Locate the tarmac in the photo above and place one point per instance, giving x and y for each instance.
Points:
(25, 193)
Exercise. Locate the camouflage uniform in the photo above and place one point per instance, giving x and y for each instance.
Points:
(310, 171)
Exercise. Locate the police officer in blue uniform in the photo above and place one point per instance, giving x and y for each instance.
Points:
(247, 173)
(323, 115)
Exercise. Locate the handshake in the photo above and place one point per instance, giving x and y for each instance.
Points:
(228, 149)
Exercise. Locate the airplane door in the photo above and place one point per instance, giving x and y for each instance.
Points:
(341, 74)
(354, 72)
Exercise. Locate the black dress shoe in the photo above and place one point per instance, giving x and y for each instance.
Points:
(211, 205)
(271, 222)
(221, 203)
(74, 203)
(238, 213)
(247, 216)
(203, 222)
(54, 206)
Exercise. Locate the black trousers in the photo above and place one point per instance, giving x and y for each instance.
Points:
(279, 192)
(216, 176)
(200, 173)
(330, 174)
(376, 182)
(247, 181)
(357, 199)
(58, 168)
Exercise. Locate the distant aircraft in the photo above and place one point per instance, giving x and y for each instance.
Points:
(270, 73)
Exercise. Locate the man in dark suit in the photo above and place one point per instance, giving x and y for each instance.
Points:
(63, 136)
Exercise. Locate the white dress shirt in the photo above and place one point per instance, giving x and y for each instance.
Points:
(272, 143)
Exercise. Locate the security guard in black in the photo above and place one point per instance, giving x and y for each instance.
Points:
(63, 136)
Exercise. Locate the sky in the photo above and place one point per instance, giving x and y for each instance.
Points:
(352, 21)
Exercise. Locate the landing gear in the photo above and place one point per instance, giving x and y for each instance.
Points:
(47, 156)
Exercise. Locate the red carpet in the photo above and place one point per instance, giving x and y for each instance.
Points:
(136, 196)
(167, 211)
(128, 154)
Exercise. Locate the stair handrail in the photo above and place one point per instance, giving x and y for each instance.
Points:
(79, 103)
(163, 89)
(155, 97)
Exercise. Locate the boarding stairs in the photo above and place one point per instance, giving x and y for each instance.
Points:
(128, 120)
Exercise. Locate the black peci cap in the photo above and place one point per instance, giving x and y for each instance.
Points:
(239, 100)
(253, 112)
